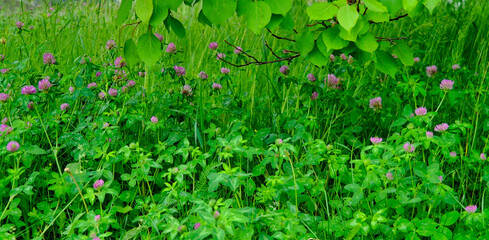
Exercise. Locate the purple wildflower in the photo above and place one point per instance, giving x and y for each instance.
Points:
(311, 77)
(44, 84)
(314, 96)
(343, 56)
(332, 58)
(131, 83)
(216, 86)
(186, 90)
(180, 70)
(28, 90)
(4, 70)
(119, 63)
(101, 95)
(408, 147)
(284, 70)
(416, 59)
(13, 146)
(64, 106)
(96, 218)
(238, 50)
(98, 74)
(213, 45)
(421, 111)
(159, 36)
(4, 97)
(483, 156)
(375, 103)
(225, 71)
(113, 92)
(446, 84)
(389, 176)
(197, 225)
(471, 208)
(154, 119)
(429, 134)
(92, 85)
(171, 48)
(98, 184)
(375, 140)
(441, 127)
(203, 75)
(455, 67)
(220, 56)
(332, 81)
(19, 24)
(71, 89)
(431, 70)
(453, 154)
(110, 45)
(48, 59)
(142, 74)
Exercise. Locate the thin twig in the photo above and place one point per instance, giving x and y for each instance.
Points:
(248, 55)
(391, 40)
(269, 48)
(278, 37)
(259, 62)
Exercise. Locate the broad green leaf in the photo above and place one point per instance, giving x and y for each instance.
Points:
(392, 6)
(317, 58)
(305, 43)
(160, 12)
(172, 4)
(176, 26)
(431, 4)
(287, 23)
(322, 11)
(258, 16)
(144, 10)
(367, 42)
(219, 11)
(378, 17)
(374, 5)
(124, 11)
(243, 6)
(332, 39)
(347, 17)
(409, 5)
(36, 150)
(275, 21)
(322, 47)
(280, 6)
(203, 19)
(131, 53)
(149, 48)
(404, 53)
(360, 28)
(385, 63)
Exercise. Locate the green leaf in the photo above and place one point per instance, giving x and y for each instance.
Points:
(347, 17)
(287, 23)
(149, 48)
(305, 43)
(172, 4)
(279, 6)
(317, 58)
(275, 21)
(431, 4)
(375, 6)
(404, 53)
(36, 150)
(385, 63)
(322, 11)
(367, 42)
(176, 26)
(144, 10)
(242, 7)
(409, 5)
(219, 11)
(377, 17)
(160, 12)
(322, 47)
(332, 39)
(131, 53)
(124, 11)
(258, 16)
(203, 19)
(392, 6)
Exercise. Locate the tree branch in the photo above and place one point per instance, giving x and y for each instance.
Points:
(391, 40)
(269, 48)
(278, 37)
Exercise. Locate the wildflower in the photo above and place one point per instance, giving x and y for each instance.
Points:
(389, 176)
(471, 208)
(98, 74)
(216, 214)
(71, 89)
(238, 50)
(186, 90)
(455, 67)
(181, 228)
(118, 63)
(131, 83)
(2, 57)
(332, 58)
(343, 56)
(483, 156)
(28, 90)
(142, 74)
(429, 134)
(213, 45)
(4, 97)
(441, 178)
(154, 119)
(4, 120)
(113, 92)
(106, 125)
(101, 95)
(332, 81)
(375, 103)
(96, 218)
(431, 70)
(180, 70)
(48, 59)
(375, 140)
(421, 111)
(221, 56)
(446, 84)
(44, 84)
(98, 184)
(4, 70)
(216, 86)
(416, 59)
(197, 225)
(408, 147)
(394, 56)
(64, 106)
(19, 24)
(92, 85)
(350, 59)
(314, 96)
(453, 154)
(159, 36)
(110, 45)
(225, 71)
(30, 105)
(203, 75)
(284, 70)
(311, 77)
(124, 89)
(171, 48)
(13, 146)
(441, 127)
(84, 60)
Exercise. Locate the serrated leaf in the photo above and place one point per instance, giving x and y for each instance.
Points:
(385, 63)
(160, 12)
(279, 6)
(404, 53)
(149, 48)
(332, 39)
(258, 16)
(322, 11)
(375, 6)
(144, 10)
(347, 17)
(131, 53)
(123, 12)
(409, 5)
(219, 11)
(367, 42)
